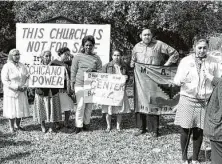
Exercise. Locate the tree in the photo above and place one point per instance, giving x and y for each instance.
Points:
(7, 26)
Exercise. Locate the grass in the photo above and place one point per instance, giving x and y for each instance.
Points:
(94, 146)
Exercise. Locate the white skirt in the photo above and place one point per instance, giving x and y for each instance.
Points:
(66, 102)
(16, 107)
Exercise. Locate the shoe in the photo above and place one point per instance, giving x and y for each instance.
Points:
(78, 130)
(154, 134)
(195, 162)
(43, 129)
(85, 127)
(108, 130)
(185, 162)
(51, 130)
(12, 130)
(140, 132)
(20, 128)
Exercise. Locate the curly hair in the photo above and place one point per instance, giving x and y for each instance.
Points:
(63, 50)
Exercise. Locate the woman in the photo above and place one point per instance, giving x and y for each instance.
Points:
(47, 102)
(14, 76)
(116, 66)
(86, 61)
(65, 101)
(213, 121)
(194, 75)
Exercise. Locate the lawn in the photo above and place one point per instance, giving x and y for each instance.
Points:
(95, 146)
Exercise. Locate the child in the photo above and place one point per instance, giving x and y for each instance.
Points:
(116, 66)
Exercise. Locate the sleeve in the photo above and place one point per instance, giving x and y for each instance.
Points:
(99, 64)
(133, 58)
(26, 81)
(6, 80)
(74, 69)
(170, 51)
(104, 69)
(180, 73)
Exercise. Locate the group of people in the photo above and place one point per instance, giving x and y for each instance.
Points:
(198, 111)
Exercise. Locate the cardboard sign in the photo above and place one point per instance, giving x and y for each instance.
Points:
(104, 88)
(44, 76)
(33, 38)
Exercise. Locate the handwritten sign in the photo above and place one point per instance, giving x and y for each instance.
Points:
(33, 38)
(103, 88)
(154, 93)
(44, 76)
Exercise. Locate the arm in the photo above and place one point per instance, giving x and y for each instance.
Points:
(5, 79)
(171, 52)
(74, 69)
(181, 72)
(99, 65)
(133, 58)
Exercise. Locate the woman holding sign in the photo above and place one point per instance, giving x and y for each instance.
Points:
(116, 66)
(14, 76)
(195, 74)
(86, 61)
(65, 101)
(47, 102)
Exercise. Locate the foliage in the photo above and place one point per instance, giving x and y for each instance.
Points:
(7, 26)
(176, 23)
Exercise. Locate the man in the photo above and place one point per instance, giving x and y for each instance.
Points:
(154, 52)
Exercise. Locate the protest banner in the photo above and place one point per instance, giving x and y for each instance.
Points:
(33, 38)
(154, 92)
(104, 88)
(44, 76)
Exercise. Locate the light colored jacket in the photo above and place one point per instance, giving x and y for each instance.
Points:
(13, 76)
(196, 85)
(155, 53)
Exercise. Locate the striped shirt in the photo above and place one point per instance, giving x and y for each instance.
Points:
(80, 64)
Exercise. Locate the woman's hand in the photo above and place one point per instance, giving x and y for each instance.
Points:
(91, 70)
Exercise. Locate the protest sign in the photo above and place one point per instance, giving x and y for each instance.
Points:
(154, 93)
(104, 88)
(33, 38)
(44, 76)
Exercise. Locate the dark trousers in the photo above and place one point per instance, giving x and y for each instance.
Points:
(185, 139)
(151, 122)
(216, 152)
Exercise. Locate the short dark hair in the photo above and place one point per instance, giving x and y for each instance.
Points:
(88, 38)
(63, 50)
(121, 54)
(199, 38)
(152, 30)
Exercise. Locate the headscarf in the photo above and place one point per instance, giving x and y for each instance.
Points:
(42, 55)
(11, 54)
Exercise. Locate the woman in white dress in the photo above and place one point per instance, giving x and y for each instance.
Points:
(14, 76)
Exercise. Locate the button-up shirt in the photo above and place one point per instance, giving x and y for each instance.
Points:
(155, 53)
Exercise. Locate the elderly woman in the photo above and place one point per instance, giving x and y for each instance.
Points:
(14, 76)
(47, 102)
(66, 102)
(86, 61)
(195, 74)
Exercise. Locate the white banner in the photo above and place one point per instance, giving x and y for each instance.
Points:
(33, 38)
(103, 88)
(44, 76)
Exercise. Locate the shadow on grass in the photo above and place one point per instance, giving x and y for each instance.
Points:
(15, 156)
(205, 156)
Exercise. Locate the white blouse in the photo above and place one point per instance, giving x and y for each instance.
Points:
(13, 76)
(194, 84)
